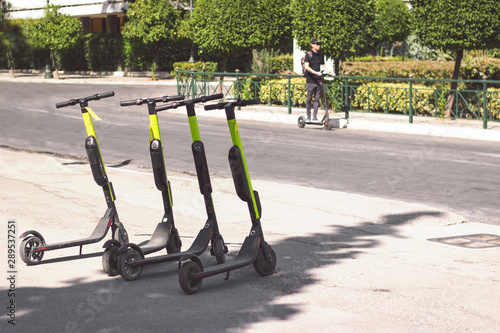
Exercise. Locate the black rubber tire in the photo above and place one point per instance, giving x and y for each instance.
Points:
(25, 252)
(260, 264)
(188, 284)
(220, 252)
(328, 125)
(110, 261)
(127, 271)
(301, 122)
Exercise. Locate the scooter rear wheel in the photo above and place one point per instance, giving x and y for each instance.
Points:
(328, 124)
(26, 251)
(261, 266)
(189, 284)
(125, 265)
(110, 261)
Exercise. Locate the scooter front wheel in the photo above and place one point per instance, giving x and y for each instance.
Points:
(110, 261)
(263, 267)
(126, 267)
(189, 284)
(26, 250)
(301, 122)
(220, 252)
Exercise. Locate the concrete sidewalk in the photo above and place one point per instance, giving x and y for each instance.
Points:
(456, 129)
(346, 262)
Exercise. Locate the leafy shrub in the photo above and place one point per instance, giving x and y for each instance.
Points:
(492, 103)
(394, 98)
(196, 66)
(103, 51)
(276, 91)
(282, 63)
(400, 69)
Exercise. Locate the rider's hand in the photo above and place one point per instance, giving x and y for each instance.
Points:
(319, 73)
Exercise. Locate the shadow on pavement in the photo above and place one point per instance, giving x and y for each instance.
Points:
(155, 302)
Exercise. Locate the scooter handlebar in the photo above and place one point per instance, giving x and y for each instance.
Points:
(201, 99)
(80, 100)
(222, 105)
(144, 100)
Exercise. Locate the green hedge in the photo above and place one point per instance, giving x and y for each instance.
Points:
(492, 103)
(393, 98)
(470, 69)
(281, 64)
(196, 66)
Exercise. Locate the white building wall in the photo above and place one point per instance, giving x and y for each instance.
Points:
(23, 9)
(299, 54)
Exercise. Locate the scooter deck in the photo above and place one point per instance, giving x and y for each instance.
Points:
(98, 234)
(159, 240)
(199, 246)
(314, 122)
(246, 256)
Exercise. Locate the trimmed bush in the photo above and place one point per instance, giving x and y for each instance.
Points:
(196, 66)
(394, 98)
(492, 104)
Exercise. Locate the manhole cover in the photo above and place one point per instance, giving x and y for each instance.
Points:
(476, 241)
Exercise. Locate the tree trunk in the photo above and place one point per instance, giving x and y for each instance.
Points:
(223, 69)
(374, 53)
(56, 73)
(454, 85)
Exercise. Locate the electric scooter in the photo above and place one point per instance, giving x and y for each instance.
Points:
(254, 248)
(165, 235)
(132, 262)
(33, 245)
(325, 121)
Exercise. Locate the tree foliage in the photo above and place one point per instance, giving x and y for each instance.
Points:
(345, 26)
(392, 22)
(238, 26)
(54, 31)
(456, 26)
(152, 23)
(4, 11)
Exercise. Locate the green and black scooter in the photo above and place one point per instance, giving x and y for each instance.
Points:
(131, 260)
(254, 249)
(165, 235)
(33, 245)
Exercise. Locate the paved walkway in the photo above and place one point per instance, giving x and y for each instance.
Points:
(460, 129)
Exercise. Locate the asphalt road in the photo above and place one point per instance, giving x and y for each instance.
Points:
(456, 175)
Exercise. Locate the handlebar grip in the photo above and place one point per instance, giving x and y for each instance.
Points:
(249, 102)
(168, 106)
(215, 106)
(208, 98)
(174, 98)
(128, 103)
(106, 94)
(63, 104)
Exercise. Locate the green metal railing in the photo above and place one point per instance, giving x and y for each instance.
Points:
(406, 96)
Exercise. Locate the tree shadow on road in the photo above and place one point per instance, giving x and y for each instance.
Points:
(155, 302)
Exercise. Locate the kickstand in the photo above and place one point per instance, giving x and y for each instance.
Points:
(81, 249)
(227, 276)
